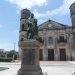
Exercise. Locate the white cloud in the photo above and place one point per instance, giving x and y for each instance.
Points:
(40, 21)
(27, 3)
(63, 9)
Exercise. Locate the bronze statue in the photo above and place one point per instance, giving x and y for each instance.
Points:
(32, 31)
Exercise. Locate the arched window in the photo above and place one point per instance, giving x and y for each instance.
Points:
(61, 38)
(50, 41)
(22, 28)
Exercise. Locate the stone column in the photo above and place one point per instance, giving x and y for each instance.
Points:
(30, 58)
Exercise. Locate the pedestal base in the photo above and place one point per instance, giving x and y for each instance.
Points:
(30, 58)
(27, 72)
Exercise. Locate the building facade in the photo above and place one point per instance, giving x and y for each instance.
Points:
(59, 39)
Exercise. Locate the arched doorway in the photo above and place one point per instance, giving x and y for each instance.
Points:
(62, 53)
(51, 54)
(41, 54)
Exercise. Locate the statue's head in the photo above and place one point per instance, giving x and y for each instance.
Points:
(32, 15)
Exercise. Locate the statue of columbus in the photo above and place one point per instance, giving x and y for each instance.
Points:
(32, 31)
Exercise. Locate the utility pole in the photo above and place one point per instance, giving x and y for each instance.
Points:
(14, 50)
(14, 46)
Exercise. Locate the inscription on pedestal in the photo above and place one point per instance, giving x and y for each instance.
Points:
(28, 57)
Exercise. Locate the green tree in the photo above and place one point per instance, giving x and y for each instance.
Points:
(12, 54)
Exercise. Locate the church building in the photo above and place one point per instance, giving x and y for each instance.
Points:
(59, 39)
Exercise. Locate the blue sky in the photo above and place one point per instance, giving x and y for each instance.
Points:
(57, 10)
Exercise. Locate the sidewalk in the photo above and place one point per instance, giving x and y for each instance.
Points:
(51, 67)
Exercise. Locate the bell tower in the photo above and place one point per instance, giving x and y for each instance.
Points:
(72, 11)
(25, 14)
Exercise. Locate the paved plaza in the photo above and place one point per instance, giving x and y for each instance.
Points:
(49, 68)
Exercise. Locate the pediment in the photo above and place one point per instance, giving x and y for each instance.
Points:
(52, 25)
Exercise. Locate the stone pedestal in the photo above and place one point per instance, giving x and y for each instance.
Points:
(30, 58)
